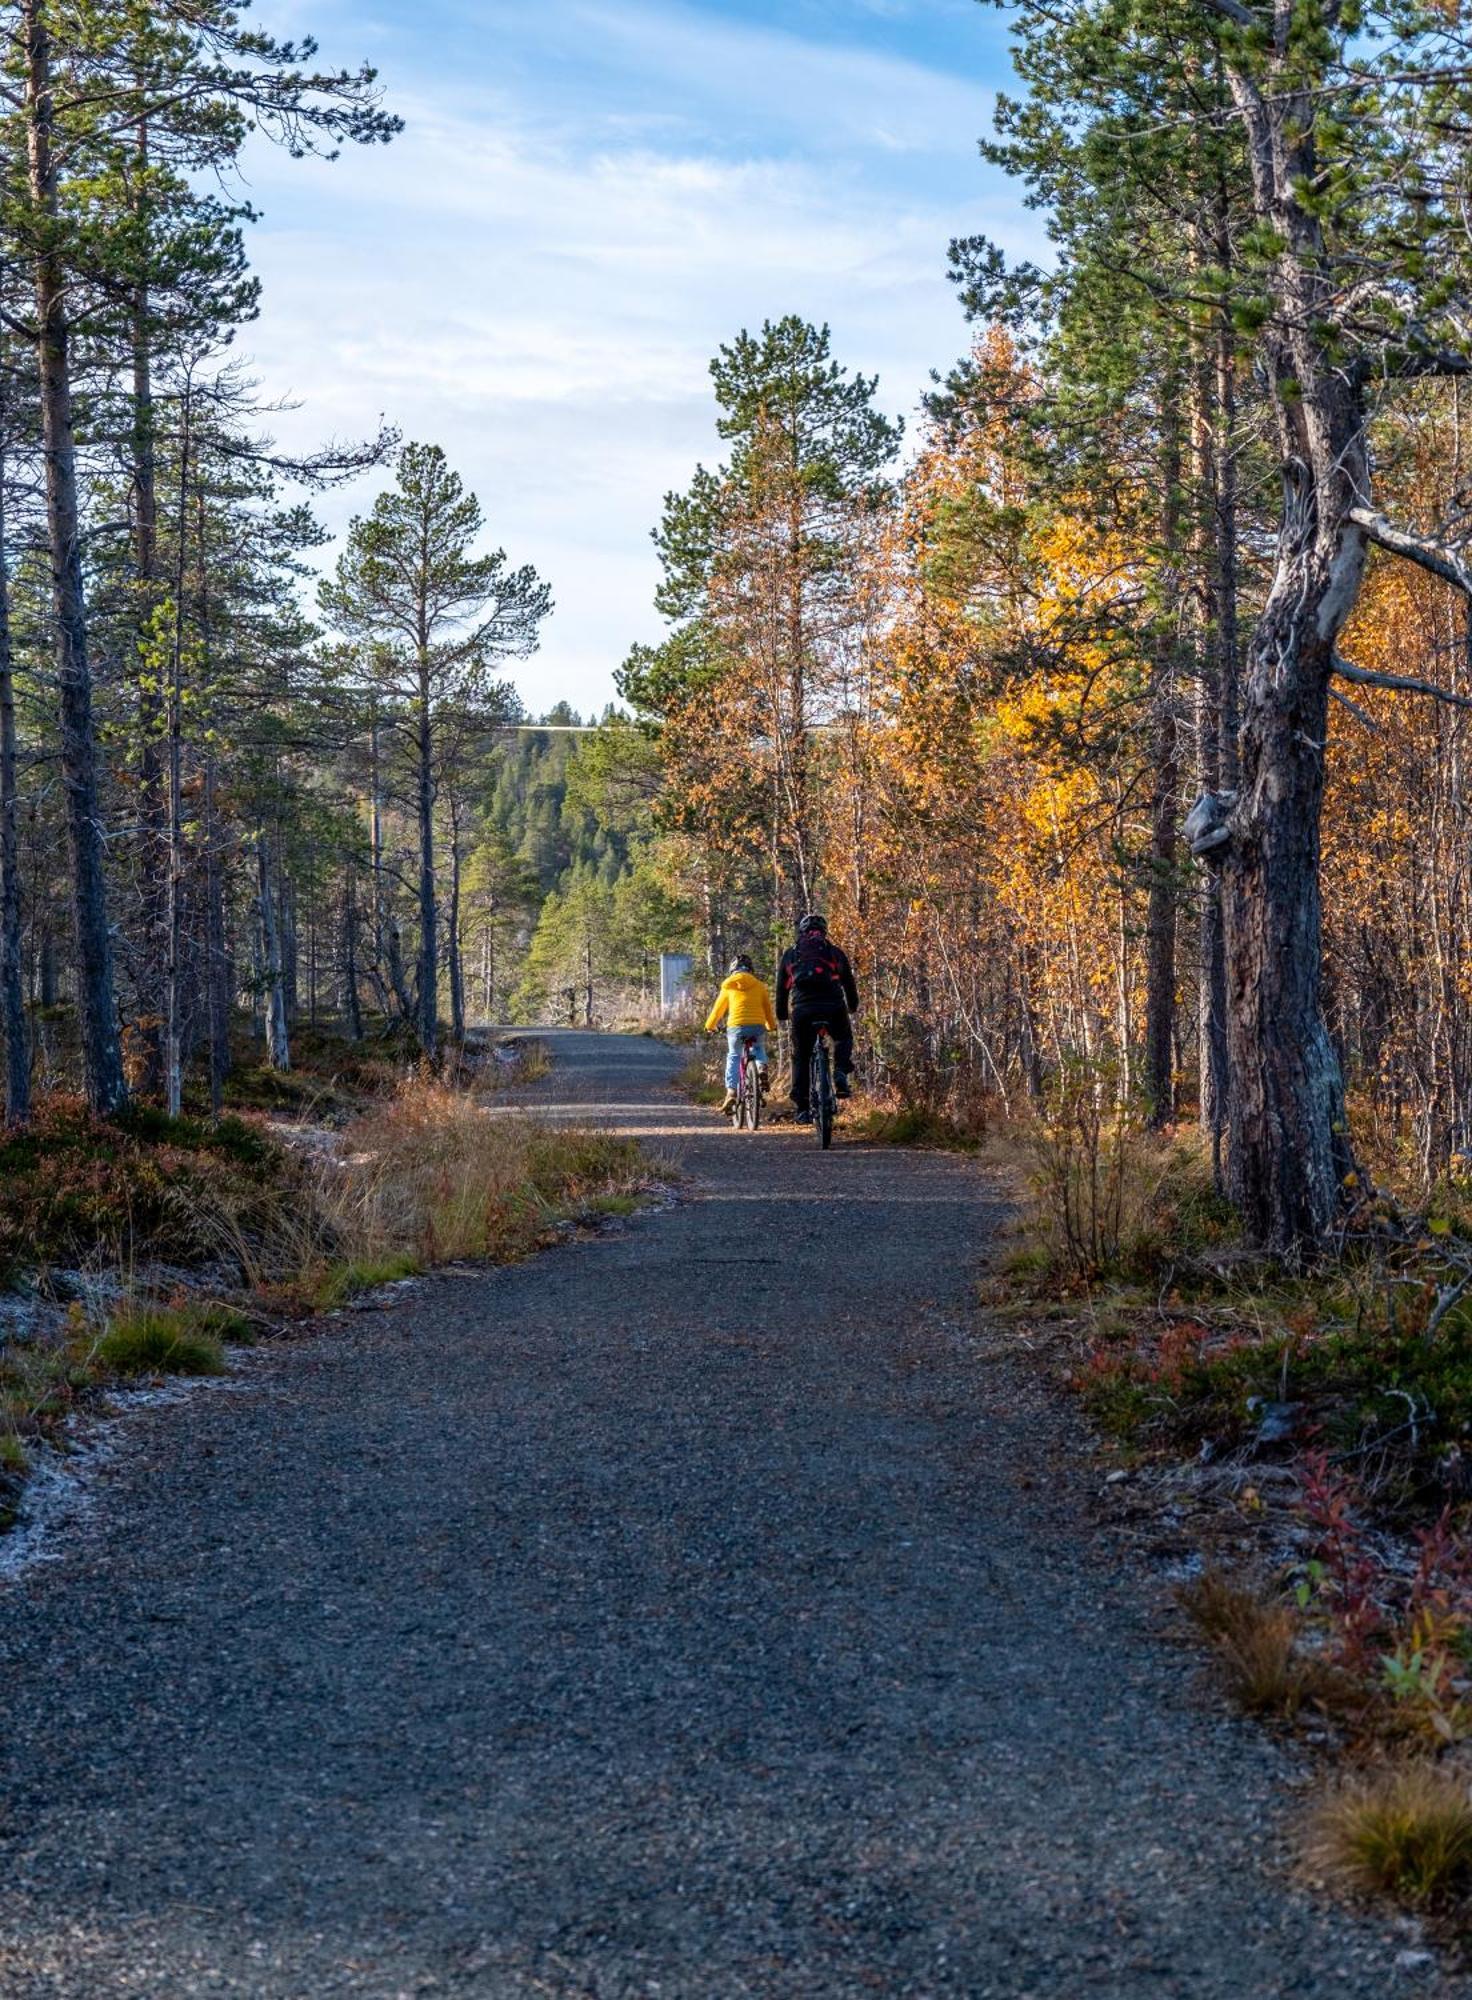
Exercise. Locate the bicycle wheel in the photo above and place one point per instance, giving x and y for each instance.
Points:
(753, 1098)
(821, 1094)
(739, 1121)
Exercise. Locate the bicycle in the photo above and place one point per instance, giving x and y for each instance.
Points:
(749, 1088)
(822, 1098)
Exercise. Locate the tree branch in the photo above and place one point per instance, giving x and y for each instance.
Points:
(1399, 683)
(1429, 555)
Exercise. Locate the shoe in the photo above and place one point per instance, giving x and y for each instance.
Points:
(842, 1087)
(730, 1104)
(802, 1117)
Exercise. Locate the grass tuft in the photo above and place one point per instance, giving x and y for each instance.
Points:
(917, 1125)
(340, 1282)
(1405, 1831)
(161, 1340)
(1256, 1640)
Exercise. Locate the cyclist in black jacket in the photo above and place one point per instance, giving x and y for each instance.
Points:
(815, 987)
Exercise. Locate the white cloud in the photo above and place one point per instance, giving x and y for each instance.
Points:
(537, 278)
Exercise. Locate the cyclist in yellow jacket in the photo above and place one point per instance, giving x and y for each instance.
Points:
(744, 1003)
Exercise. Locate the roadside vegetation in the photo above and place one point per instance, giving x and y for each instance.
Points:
(145, 1247)
(1314, 1420)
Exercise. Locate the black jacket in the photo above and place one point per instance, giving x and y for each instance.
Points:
(802, 1005)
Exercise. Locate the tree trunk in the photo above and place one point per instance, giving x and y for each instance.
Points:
(1216, 715)
(1288, 1148)
(12, 986)
(217, 966)
(429, 976)
(352, 1009)
(286, 924)
(173, 931)
(278, 1040)
(1160, 927)
(155, 851)
(457, 968)
(102, 1063)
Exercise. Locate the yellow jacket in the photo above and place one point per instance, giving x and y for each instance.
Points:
(745, 1002)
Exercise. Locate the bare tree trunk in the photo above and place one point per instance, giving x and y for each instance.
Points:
(102, 1061)
(429, 974)
(1289, 1151)
(1160, 967)
(12, 988)
(278, 1040)
(457, 968)
(352, 1009)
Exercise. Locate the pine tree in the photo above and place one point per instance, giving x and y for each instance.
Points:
(430, 619)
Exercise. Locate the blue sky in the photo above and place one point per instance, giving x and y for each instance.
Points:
(589, 196)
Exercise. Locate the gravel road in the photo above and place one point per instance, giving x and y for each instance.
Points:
(689, 1612)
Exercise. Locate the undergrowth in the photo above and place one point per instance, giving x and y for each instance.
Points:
(79, 1189)
(1330, 1410)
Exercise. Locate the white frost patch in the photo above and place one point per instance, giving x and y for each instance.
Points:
(60, 1495)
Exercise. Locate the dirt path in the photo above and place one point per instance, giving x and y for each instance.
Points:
(675, 1615)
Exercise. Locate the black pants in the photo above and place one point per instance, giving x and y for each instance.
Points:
(805, 1034)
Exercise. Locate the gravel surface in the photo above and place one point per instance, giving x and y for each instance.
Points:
(689, 1612)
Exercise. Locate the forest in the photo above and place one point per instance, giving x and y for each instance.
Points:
(1116, 715)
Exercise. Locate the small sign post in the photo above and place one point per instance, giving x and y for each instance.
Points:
(675, 969)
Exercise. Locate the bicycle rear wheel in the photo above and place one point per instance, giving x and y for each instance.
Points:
(821, 1095)
(753, 1098)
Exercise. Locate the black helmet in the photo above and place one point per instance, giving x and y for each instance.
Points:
(741, 963)
(811, 922)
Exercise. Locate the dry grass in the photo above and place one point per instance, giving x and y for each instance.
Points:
(701, 1076)
(434, 1176)
(1256, 1641)
(1403, 1830)
(533, 1061)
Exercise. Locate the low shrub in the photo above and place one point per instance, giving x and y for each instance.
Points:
(78, 1188)
(1403, 1830)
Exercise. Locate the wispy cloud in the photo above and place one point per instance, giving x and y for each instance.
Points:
(588, 198)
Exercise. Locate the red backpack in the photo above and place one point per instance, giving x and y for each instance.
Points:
(816, 969)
